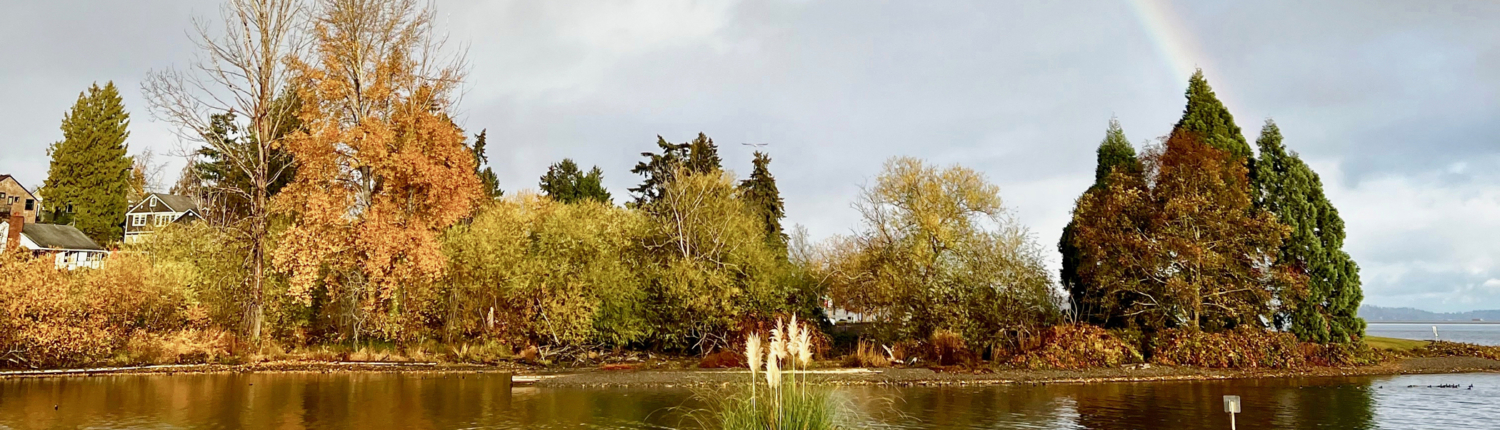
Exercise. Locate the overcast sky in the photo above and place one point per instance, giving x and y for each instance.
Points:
(1395, 103)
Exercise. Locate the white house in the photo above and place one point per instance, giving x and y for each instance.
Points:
(68, 245)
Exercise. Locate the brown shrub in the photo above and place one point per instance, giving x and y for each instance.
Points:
(723, 359)
(867, 354)
(1245, 347)
(1077, 346)
(182, 347)
(947, 348)
(1340, 354)
(1443, 348)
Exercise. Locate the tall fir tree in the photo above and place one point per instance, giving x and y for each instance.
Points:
(565, 183)
(489, 184)
(1114, 152)
(697, 156)
(760, 194)
(89, 178)
(703, 155)
(1207, 117)
(1290, 189)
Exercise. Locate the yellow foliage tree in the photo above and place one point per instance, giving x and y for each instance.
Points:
(940, 252)
(381, 166)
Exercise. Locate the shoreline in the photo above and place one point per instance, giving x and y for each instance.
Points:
(899, 377)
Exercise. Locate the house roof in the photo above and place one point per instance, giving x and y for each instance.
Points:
(3, 177)
(174, 202)
(53, 236)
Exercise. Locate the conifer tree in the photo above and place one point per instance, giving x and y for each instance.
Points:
(761, 195)
(697, 156)
(1114, 152)
(703, 155)
(1290, 189)
(89, 178)
(488, 182)
(565, 183)
(1207, 117)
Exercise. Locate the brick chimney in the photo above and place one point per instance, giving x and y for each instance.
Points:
(13, 234)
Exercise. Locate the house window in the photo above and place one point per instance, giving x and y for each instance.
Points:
(162, 220)
(137, 220)
(30, 204)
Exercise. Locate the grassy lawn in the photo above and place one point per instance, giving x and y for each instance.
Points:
(1393, 343)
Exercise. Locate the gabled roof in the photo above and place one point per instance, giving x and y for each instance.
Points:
(59, 237)
(3, 177)
(174, 202)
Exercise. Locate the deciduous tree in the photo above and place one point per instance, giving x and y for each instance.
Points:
(381, 168)
(1115, 152)
(228, 101)
(938, 251)
(1181, 245)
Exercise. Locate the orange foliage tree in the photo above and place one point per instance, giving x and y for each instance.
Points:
(382, 168)
(1180, 245)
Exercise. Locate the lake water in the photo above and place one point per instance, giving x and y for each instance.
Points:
(1482, 334)
(412, 401)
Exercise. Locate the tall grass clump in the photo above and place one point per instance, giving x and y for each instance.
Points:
(779, 394)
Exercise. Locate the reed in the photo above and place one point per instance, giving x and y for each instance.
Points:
(787, 400)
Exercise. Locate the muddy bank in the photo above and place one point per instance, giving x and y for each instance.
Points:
(923, 376)
(596, 378)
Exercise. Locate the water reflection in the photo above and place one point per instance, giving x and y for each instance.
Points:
(392, 401)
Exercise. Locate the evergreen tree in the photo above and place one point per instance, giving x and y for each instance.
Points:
(489, 183)
(228, 190)
(697, 156)
(1290, 189)
(1114, 152)
(1207, 117)
(703, 155)
(89, 178)
(565, 183)
(760, 194)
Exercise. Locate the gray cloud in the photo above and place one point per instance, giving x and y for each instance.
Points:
(1392, 101)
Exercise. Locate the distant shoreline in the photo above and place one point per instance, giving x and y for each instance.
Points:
(1434, 322)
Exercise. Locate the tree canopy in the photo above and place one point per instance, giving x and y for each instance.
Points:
(565, 183)
(760, 194)
(938, 251)
(1290, 189)
(88, 181)
(697, 156)
(1115, 152)
(1206, 117)
(488, 182)
(1180, 244)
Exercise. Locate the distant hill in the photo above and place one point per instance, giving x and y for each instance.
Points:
(1378, 314)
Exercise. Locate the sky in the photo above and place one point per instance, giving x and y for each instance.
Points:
(1396, 104)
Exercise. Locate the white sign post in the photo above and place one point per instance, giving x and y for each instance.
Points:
(1232, 406)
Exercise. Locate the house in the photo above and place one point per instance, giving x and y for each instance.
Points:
(16, 199)
(67, 244)
(157, 210)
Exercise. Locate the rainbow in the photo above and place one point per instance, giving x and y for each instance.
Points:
(1175, 42)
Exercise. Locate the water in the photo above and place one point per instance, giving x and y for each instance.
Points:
(402, 401)
(1482, 334)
